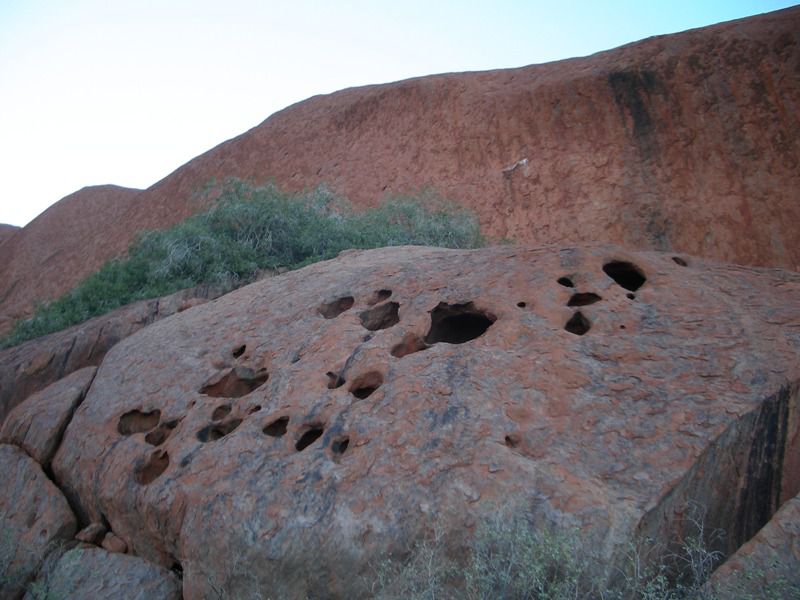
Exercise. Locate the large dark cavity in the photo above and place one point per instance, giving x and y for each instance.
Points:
(277, 428)
(331, 310)
(458, 323)
(583, 299)
(578, 324)
(235, 383)
(625, 274)
(216, 431)
(565, 281)
(311, 435)
(380, 317)
(364, 385)
(136, 421)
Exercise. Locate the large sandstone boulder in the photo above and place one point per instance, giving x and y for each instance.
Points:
(288, 434)
(38, 424)
(88, 572)
(32, 366)
(34, 519)
(685, 142)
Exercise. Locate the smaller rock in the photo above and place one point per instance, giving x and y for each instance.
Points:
(38, 423)
(112, 543)
(92, 533)
(34, 519)
(91, 572)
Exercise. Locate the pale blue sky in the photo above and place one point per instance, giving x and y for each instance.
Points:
(126, 91)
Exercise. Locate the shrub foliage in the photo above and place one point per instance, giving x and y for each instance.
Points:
(247, 230)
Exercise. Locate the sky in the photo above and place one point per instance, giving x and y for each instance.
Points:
(126, 91)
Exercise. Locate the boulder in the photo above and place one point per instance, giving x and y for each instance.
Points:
(32, 366)
(683, 142)
(292, 432)
(87, 572)
(768, 565)
(34, 520)
(37, 424)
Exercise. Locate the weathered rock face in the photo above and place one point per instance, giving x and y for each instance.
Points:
(88, 572)
(769, 564)
(684, 142)
(32, 366)
(37, 425)
(6, 231)
(287, 434)
(34, 517)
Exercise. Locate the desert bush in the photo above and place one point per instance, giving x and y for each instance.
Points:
(247, 230)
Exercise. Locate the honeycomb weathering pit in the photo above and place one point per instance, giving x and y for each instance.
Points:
(457, 323)
(137, 421)
(235, 383)
(625, 274)
(382, 316)
(331, 310)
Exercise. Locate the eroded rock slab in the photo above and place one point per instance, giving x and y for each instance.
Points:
(37, 425)
(87, 572)
(590, 387)
(32, 366)
(34, 519)
(769, 564)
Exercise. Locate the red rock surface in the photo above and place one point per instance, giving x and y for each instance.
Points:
(34, 519)
(92, 573)
(32, 366)
(686, 142)
(37, 425)
(6, 231)
(301, 427)
(768, 565)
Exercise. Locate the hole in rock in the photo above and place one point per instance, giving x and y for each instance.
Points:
(277, 428)
(309, 437)
(379, 296)
(335, 380)
(565, 281)
(410, 343)
(363, 385)
(160, 434)
(237, 352)
(512, 440)
(626, 274)
(236, 383)
(578, 324)
(333, 309)
(254, 409)
(152, 468)
(340, 446)
(136, 421)
(679, 261)
(380, 317)
(222, 411)
(216, 431)
(630, 296)
(583, 299)
(521, 304)
(457, 323)
(177, 568)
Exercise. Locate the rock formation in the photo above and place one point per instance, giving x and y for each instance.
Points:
(289, 433)
(6, 231)
(685, 142)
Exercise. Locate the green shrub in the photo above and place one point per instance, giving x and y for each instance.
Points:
(249, 229)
